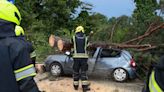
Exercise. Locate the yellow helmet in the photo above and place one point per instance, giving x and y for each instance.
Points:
(19, 31)
(9, 12)
(79, 29)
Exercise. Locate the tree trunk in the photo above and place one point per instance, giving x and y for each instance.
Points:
(53, 40)
(64, 45)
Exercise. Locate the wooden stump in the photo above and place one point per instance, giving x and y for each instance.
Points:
(53, 40)
(60, 44)
(64, 45)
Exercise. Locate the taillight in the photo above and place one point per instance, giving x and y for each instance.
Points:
(132, 63)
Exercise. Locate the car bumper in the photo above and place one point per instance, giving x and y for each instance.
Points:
(131, 72)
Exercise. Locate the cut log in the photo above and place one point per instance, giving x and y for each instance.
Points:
(60, 45)
(64, 45)
(53, 40)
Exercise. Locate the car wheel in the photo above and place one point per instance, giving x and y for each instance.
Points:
(55, 69)
(120, 75)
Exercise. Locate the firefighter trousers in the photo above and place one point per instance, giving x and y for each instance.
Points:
(80, 68)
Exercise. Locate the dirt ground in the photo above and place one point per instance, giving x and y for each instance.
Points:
(64, 84)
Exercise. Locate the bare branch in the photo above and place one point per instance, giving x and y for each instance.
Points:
(145, 35)
(113, 28)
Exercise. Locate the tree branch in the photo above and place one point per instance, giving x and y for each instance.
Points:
(145, 35)
(113, 28)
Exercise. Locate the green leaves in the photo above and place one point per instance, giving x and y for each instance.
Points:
(40, 18)
(60, 17)
(145, 12)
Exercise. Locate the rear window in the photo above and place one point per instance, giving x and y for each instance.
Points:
(110, 53)
(126, 55)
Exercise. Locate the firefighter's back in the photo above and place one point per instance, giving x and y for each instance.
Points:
(7, 79)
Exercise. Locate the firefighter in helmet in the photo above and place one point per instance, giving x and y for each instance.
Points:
(15, 67)
(80, 57)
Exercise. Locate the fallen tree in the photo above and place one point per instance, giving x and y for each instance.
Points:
(65, 44)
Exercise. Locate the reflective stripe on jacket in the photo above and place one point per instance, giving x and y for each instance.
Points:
(25, 72)
(153, 85)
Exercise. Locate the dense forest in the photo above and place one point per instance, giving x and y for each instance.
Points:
(41, 18)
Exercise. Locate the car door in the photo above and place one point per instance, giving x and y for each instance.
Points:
(69, 64)
(106, 62)
(93, 58)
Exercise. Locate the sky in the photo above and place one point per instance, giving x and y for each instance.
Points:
(112, 8)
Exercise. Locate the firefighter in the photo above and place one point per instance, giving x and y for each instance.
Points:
(15, 67)
(80, 57)
(155, 82)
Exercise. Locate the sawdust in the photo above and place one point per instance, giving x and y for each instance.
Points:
(64, 84)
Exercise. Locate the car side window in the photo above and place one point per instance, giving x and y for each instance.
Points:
(110, 53)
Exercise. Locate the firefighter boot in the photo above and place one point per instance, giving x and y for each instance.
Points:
(86, 88)
(76, 87)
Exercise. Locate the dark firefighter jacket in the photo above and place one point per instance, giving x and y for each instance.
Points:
(16, 70)
(28, 44)
(80, 42)
(155, 82)
(29, 47)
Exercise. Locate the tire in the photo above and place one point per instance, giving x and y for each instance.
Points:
(120, 75)
(56, 69)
